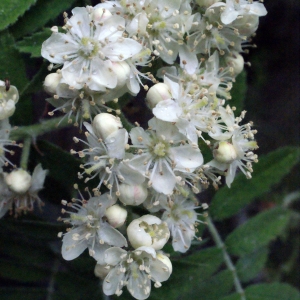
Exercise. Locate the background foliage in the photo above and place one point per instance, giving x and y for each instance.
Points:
(258, 219)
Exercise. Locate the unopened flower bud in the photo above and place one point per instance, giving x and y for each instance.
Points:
(51, 82)
(235, 61)
(165, 259)
(105, 124)
(116, 215)
(101, 271)
(148, 231)
(18, 181)
(157, 93)
(132, 194)
(122, 71)
(224, 152)
(100, 14)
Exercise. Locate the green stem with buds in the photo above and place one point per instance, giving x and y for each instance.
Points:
(217, 239)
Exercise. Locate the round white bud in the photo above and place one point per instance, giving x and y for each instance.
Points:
(235, 61)
(100, 14)
(105, 124)
(116, 215)
(51, 82)
(224, 152)
(165, 259)
(101, 271)
(157, 93)
(122, 71)
(132, 194)
(18, 181)
(148, 231)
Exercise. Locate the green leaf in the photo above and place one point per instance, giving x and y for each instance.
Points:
(238, 93)
(10, 10)
(194, 268)
(28, 293)
(55, 160)
(33, 44)
(258, 231)
(11, 63)
(39, 15)
(251, 264)
(269, 171)
(273, 291)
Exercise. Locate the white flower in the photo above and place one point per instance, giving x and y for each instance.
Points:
(162, 152)
(105, 158)
(181, 218)
(234, 8)
(9, 96)
(135, 270)
(89, 48)
(148, 231)
(235, 147)
(90, 229)
(20, 190)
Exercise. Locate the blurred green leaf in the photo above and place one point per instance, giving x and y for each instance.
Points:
(238, 93)
(11, 10)
(22, 272)
(251, 264)
(194, 268)
(12, 65)
(33, 44)
(39, 15)
(258, 231)
(23, 293)
(268, 171)
(55, 160)
(273, 291)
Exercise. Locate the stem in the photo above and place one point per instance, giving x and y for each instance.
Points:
(35, 130)
(217, 239)
(25, 153)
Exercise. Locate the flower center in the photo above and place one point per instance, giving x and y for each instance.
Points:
(89, 47)
(160, 149)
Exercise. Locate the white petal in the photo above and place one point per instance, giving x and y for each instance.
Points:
(38, 178)
(167, 110)
(112, 256)
(186, 157)
(190, 59)
(112, 281)
(119, 51)
(111, 236)
(73, 248)
(116, 142)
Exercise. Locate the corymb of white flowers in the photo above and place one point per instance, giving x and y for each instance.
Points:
(143, 181)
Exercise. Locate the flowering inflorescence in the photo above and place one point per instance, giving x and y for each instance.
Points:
(100, 54)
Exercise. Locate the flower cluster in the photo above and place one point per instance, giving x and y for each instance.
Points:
(102, 54)
(19, 190)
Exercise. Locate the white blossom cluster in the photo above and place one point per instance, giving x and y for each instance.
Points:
(18, 189)
(106, 51)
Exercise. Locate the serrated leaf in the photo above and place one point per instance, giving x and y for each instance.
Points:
(238, 92)
(269, 171)
(188, 270)
(28, 293)
(251, 264)
(273, 291)
(39, 15)
(33, 44)
(11, 10)
(258, 231)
